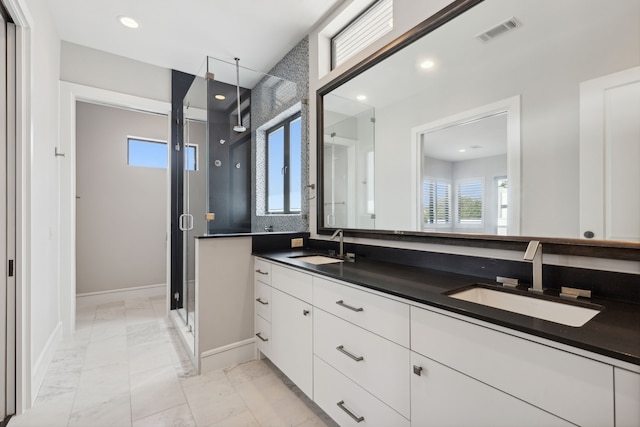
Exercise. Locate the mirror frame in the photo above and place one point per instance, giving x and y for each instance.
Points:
(629, 251)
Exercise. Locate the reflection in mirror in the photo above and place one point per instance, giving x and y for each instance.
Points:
(349, 164)
(573, 69)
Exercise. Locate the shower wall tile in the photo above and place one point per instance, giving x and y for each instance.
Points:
(268, 110)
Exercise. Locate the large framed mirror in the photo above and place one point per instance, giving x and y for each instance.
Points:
(493, 120)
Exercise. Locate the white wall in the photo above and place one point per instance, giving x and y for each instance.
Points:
(91, 67)
(121, 211)
(39, 323)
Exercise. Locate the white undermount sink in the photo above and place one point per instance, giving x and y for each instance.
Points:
(316, 259)
(566, 314)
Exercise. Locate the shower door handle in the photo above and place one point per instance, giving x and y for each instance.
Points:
(185, 222)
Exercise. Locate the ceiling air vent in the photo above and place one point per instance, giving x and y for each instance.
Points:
(503, 27)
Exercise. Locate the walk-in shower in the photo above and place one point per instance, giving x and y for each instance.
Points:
(213, 168)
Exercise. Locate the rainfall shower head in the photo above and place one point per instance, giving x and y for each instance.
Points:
(238, 127)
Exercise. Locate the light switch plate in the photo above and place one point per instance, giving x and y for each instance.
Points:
(297, 243)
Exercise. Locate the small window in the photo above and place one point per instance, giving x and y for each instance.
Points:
(470, 202)
(369, 26)
(153, 154)
(436, 203)
(284, 167)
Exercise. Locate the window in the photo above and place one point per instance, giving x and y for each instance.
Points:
(284, 167)
(470, 199)
(436, 203)
(153, 154)
(369, 26)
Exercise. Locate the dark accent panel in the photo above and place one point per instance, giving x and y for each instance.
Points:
(276, 241)
(487, 268)
(229, 187)
(241, 184)
(606, 284)
(180, 84)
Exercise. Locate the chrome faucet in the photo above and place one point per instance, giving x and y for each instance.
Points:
(534, 255)
(340, 232)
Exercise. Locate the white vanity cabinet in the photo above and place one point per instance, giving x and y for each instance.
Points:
(369, 359)
(355, 340)
(572, 387)
(292, 326)
(442, 397)
(627, 398)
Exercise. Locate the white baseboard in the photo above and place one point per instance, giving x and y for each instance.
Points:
(44, 360)
(232, 354)
(105, 297)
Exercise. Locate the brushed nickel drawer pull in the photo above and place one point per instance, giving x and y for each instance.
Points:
(260, 336)
(262, 272)
(341, 349)
(342, 304)
(262, 302)
(351, 414)
(305, 312)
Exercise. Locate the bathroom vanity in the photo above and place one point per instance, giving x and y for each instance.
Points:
(376, 343)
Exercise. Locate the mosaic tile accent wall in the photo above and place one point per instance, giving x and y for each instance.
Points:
(267, 110)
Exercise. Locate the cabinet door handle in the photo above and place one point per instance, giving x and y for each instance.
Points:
(262, 302)
(260, 336)
(262, 272)
(417, 370)
(341, 349)
(305, 312)
(351, 414)
(342, 304)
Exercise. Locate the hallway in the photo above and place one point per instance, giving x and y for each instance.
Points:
(125, 367)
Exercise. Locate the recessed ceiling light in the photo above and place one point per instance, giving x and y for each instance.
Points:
(128, 22)
(427, 64)
(462, 150)
(220, 97)
(361, 97)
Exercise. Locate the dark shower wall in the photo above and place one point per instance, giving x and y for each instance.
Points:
(229, 157)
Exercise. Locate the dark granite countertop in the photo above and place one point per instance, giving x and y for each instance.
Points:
(614, 332)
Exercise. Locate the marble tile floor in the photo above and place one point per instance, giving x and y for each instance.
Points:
(125, 367)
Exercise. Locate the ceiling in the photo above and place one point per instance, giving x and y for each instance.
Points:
(180, 34)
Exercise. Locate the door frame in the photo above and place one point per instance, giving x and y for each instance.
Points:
(70, 93)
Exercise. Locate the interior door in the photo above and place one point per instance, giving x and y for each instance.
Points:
(609, 156)
(7, 217)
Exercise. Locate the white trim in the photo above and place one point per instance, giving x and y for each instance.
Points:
(70, 93)
(512, 108)
(104, 297)
(21, 16)
(231, 354)
(44, 360)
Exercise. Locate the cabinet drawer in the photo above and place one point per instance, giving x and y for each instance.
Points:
(443, 397)
(293, 282)
(262, 270)
(376, 364)
(377, 314)
(263, 335)
(263, 300)
(575, 388)
(332, 388)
